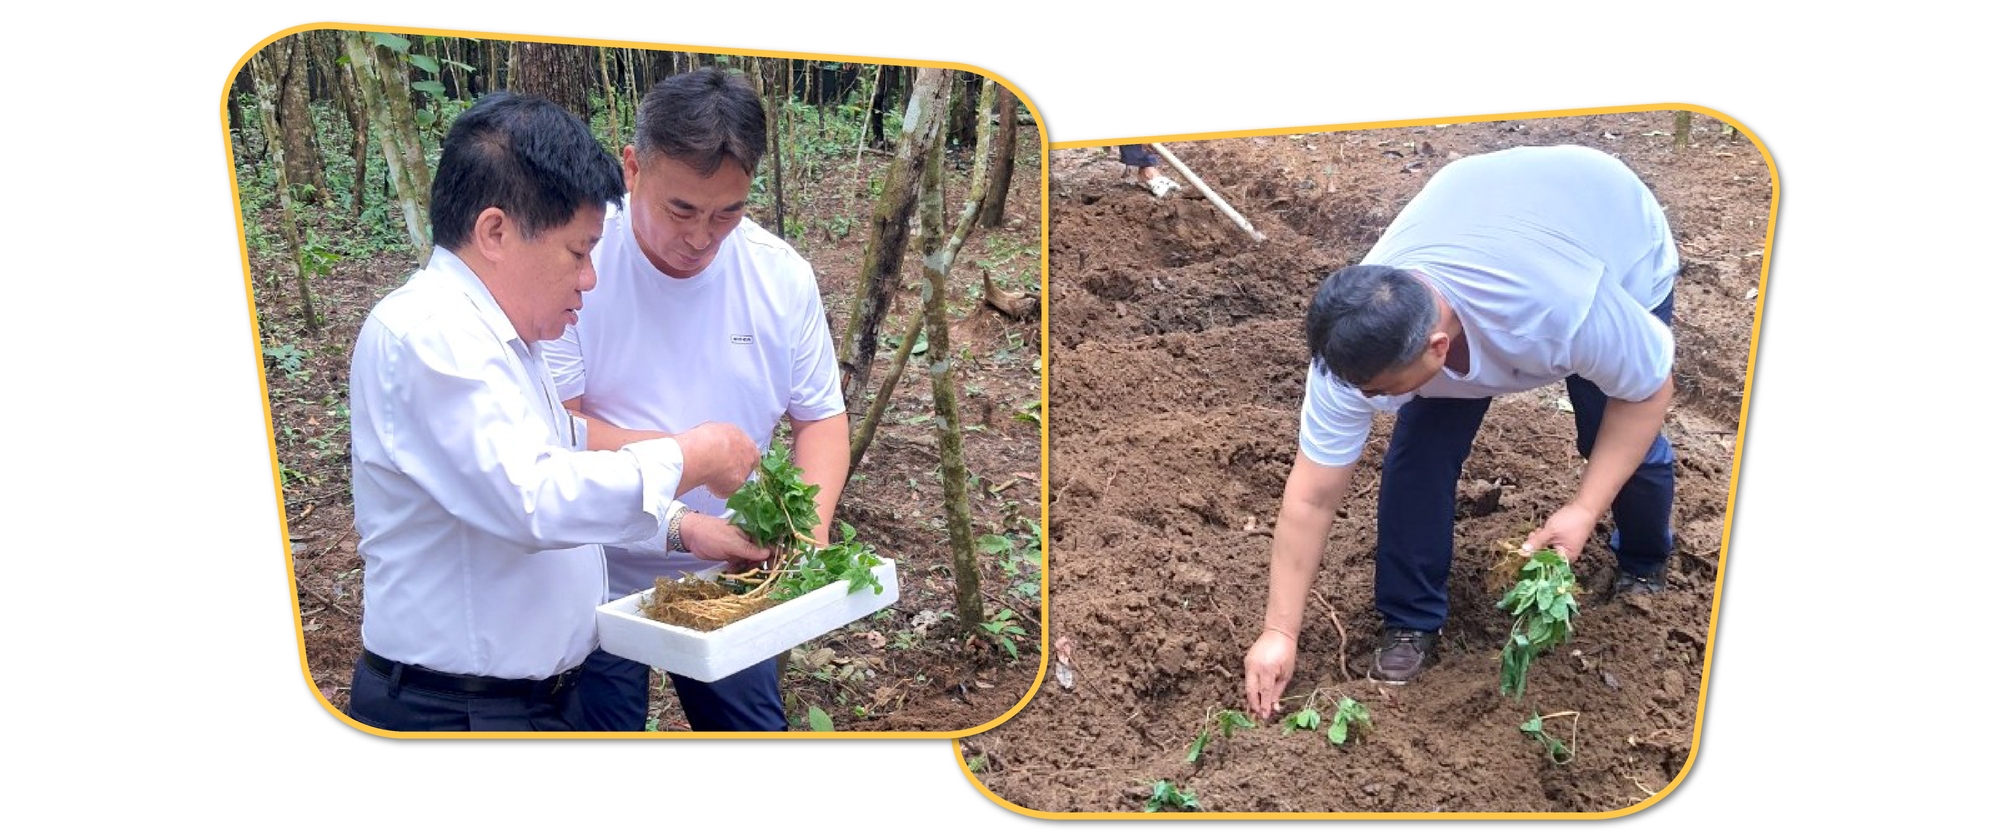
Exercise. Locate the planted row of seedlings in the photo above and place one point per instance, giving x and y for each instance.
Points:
(1540, 593)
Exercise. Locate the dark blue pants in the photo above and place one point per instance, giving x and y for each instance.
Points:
(389, 704)
(613, 693)
(1138, 156)
(1419, 499)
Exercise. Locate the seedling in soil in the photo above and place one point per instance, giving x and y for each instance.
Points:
(1350, 719)
(1557, 751)
(1227, 722)
(1002, 629)
(1306, 718)
(1166, 796)
(1542, 602)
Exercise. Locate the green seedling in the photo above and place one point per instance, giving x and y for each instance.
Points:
(1306, 718)
(1166, 796)
(776, 509)
(1227, 722)
(1558, 753)
(1350, 719)
(1002, 629)
(1542, 602)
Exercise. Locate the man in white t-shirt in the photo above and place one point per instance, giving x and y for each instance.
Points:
(1507, 272)
(479, 511)
(700, 315)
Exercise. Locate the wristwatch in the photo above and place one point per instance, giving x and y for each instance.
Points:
(674, 543)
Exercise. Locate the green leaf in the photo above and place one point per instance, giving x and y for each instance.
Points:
(425, 118)
(1200, 743)
(432, 87)
(1338, 732)
(394, 43)
(1306, 718)
(995, 544)
(466, 67)
(423, 62)
(818, 720)
(1231, 720)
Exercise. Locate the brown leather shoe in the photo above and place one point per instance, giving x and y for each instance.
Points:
(1400, 657)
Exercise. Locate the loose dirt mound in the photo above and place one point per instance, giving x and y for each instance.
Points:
(1178, 368)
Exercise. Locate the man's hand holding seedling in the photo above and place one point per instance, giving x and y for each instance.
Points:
(713, 539)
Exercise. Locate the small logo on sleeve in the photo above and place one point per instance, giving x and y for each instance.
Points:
(741, 338)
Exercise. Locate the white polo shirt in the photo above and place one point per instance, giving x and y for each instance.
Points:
(744, 341)
(1552, 258)
(479, 514)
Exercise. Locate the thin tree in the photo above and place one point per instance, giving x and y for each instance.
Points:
(939, 253)
(889, 230)
(1002, 173)
(264, 67)
(302, 157)
(385, 93)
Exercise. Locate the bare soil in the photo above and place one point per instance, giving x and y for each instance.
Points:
(1178, 367)
(902, 669)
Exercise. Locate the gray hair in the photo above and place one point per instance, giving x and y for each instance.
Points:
(1368, 319)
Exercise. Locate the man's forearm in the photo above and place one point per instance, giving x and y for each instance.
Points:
(1313, 495)
(602, 435)
(819, 448)
(1623, 438)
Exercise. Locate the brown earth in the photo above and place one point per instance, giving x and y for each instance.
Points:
(899, 670)
(1177, 371)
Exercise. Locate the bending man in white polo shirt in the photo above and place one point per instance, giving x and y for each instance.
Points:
(479, 513)
(1507, 272)
(700, 315)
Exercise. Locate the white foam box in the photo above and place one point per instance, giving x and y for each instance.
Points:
(711, 655)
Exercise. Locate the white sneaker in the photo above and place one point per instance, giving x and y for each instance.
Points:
(1161, 185)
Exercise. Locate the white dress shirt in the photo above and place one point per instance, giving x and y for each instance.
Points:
(480, 513)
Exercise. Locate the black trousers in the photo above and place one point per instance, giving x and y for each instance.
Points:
(400, 706)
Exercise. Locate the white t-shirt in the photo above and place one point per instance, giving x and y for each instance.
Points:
(1552, 258)
(480, 515)
(745, 342)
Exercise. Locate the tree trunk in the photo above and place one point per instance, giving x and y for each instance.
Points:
(889, 230)
(1006, 136)
(610, 98)
(878, 105)
(303, 164)
(357, 119)
(265, 67)
(938, 256)
(1683, 123)
(965, 110)
(385, 93)
(864, 434)
(776, 123)
(556, 72)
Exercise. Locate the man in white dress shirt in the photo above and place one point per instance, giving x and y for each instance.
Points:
(480, 512)
(1507, 272)
(700, 315)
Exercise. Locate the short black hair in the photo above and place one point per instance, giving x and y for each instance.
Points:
(696, 118)
(525, 155)
(1368, 319)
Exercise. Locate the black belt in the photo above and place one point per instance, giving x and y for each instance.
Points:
(417, 676)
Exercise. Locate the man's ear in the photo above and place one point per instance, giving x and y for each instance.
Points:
(490, 231)
(631, 166)
(1438, 346)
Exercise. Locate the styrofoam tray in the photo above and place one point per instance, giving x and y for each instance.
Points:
(711, 655)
